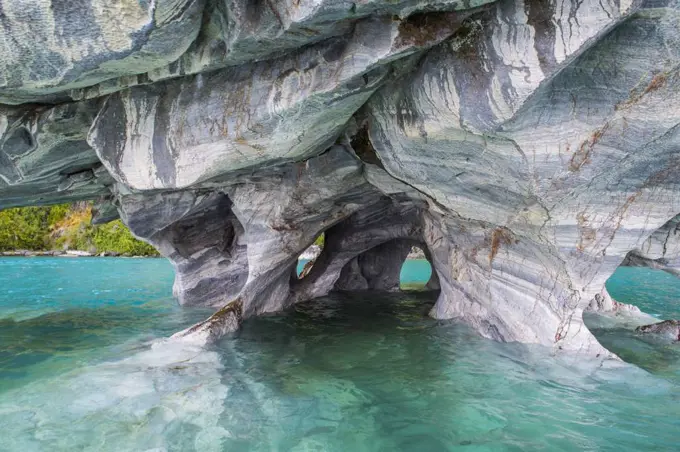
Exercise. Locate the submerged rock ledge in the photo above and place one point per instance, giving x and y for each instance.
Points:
(669, 329)
(527, 147)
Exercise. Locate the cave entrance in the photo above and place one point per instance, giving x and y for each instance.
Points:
(416, 271)
(308, 257)
(398, 264)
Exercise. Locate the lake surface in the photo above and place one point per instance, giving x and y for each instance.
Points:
(83, 366)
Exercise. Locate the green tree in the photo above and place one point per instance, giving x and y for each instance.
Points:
(24, 228)
(115, 237)
(66, 226)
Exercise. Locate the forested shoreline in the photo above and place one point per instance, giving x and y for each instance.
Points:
(66, 227)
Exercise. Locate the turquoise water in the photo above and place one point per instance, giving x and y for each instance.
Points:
(83, 366)
(657, 293)
(415, 272)
(653, 291)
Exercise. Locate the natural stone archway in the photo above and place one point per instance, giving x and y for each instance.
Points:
(275, 238)
(420, 253)
(310, 255)
(529, 146)
(661, 250)
(374, 227)
(376, 269)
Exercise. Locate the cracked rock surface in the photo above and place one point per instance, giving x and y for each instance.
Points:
(528, 147)
(661, 250)
(668, 329)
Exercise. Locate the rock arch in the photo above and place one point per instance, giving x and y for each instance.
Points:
(661, 250)
(529, 160)
(376, 269)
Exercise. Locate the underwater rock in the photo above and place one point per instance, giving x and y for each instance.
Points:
(604, 303)
(668, 329)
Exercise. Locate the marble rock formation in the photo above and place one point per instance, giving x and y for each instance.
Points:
(661, 250)
(669, 329)
(527, 147)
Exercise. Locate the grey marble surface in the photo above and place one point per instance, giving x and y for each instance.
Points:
(527, 147)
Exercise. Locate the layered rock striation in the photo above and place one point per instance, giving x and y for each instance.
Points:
(660, 251)
(528, 147)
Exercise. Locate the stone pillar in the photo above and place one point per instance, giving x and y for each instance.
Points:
(201, 237)
(508, 288)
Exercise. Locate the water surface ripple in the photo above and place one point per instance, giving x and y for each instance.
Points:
(83, 366)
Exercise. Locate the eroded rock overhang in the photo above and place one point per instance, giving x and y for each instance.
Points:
(527, 146)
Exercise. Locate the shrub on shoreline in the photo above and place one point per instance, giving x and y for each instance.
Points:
(66, 227)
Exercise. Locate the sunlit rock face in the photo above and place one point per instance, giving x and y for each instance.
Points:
(527, 147)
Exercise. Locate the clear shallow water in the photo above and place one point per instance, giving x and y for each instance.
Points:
(57, 312)
(656, 293)
(80, 370)
(653, 291)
